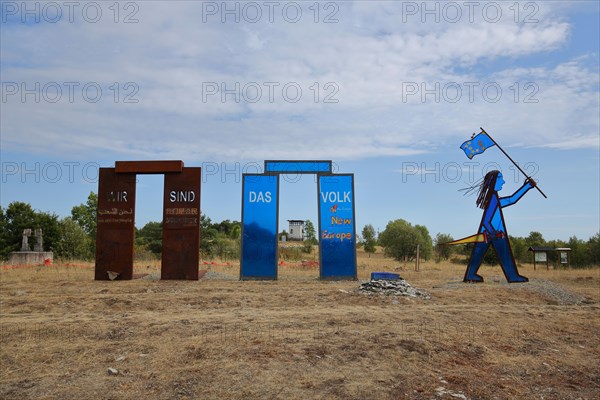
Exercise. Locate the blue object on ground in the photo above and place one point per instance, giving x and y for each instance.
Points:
(385, 275)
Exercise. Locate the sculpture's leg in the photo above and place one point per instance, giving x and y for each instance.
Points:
(475, 262)
(509, 267)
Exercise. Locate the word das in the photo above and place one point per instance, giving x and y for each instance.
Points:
(259, 197)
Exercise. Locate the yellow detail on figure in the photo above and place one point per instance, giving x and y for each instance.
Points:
(477, 238)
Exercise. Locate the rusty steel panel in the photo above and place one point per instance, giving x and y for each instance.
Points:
(115, 224)
(148, 167)
(181, 225)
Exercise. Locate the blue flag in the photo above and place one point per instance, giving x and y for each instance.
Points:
(477, 145)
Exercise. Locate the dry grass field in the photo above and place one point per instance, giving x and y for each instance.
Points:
(298, 337)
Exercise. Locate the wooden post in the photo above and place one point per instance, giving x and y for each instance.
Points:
(417, 262)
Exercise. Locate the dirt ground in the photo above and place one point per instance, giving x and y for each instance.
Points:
(298, 337)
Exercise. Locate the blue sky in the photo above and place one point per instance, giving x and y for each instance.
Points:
(384, 89)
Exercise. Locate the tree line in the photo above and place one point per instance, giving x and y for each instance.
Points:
(74, 237)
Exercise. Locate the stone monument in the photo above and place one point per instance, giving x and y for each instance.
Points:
(39, 243)
(27, 257)
(25, 242)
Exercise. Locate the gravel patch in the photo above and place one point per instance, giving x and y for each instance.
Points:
(554, 293)
(211, 275)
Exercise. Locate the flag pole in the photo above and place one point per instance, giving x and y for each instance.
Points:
(513, 161)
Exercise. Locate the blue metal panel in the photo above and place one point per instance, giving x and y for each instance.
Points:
(390, 276)
(298, 167)
(337, 233)
(260, 205)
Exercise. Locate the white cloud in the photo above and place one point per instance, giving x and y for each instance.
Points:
(576, 142)
(368, 59)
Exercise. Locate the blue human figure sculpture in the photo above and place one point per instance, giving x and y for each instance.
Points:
(493, 228)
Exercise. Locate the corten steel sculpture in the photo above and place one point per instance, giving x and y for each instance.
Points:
(116, 219)
(492, 228)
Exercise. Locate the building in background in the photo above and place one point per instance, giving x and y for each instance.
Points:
(296, 229)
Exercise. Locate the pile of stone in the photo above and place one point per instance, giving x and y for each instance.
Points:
(396, 287)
